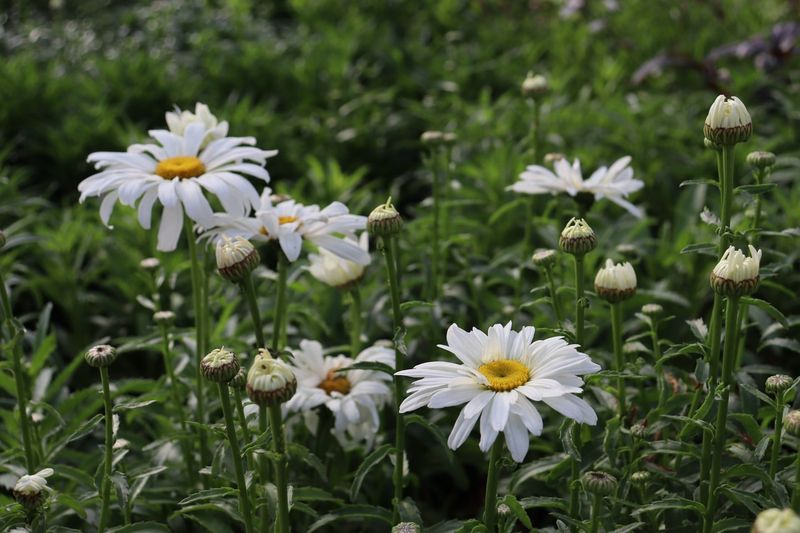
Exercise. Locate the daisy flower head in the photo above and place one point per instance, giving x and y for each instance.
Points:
(335, 271)
(354, 397)
(737, 274)
(290, 223)
(501, 374)
(176, 171)
(29, 489)
(179, 120)
(615, 182)
(728, 122)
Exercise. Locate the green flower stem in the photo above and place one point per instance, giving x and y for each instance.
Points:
(249, 292)
(389, 249)
(574, 483)
(199, 322)
(759, 177)
(548, 274)
(490, 500)
(597, 504)
(776, 437)
(188, 454)
(279, 443)
(728, 363)
(263, 468)
(355, 322)
(796, 491)
(237, 398)
(105, 491)
(619, 360)
(661, 379)
(244, 499)
(528, 203)
(279, 322)
(435, 261)
(580, 304)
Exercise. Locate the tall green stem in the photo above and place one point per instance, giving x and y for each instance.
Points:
(776, 437)
(263, 468)
(279, 322)
(619, 360)
(490, 499)
(597, 503)
(580, 304)
(244, 499)
(574, 485)
(250, 295)
(796, 491)
(237, 398)
(188, 454)
(548, 274)
(355, 321)
(436, 216)
(279, 444)
(728, 363)
(400, 428)
(105, 495)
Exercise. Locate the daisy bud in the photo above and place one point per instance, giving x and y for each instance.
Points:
(219, 366)
(239, 380)
(29, 489)
(761, 160)
(552, 157)
(149, 263)
(503, 509)
(100, 355)
(336, 271)
(236, 258)
(270, 381)
(544, 258)
(736, 274)
(640, 477)
(384, 221)
(776, 521)
(792, 423)
(652, 310)
(628, 251)
(449, 137)
(601, 483)
(535, 85)
(728, 121)
(577, 238)
(406, 527)
(639, 431)
(431, 137)
(164, 317)
(778, 384)
(615, 282)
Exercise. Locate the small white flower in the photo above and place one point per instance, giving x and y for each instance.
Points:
(332, 270)
(501, 375)
(354, 397)
(776, 521)
(615, 182)
(175, 172)
(32, 484)
(178, 121)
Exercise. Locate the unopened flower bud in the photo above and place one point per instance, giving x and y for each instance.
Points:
(652, 310)
(792, 423)
(615, 282)
(236, 258)
(30, 489)
(270, 381)
(761, 160)
(100, 355)
(577, 238)
(164, 317)
(728, 121)
(639, 431)
(776, 521)
(640, 477)
(778, 384)
(552, 157)
(736, 274)
(149, 263)
(601, 483)
(384, 221)
(406, 527)
(431, 137)
(219, 366)
(239, 380)
(535, 85)
(544, 258)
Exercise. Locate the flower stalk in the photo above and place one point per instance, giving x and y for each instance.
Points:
(490, 499)
(776, 437)
(248, 289)
(355, 322)
(279, 322)
(244, 499)
(105, 494)
(619, 357)
(279, 445)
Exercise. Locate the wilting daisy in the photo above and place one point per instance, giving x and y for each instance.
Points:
(354, 397)
(615, 182)
(291, 223)
(332, 270)
(501, 375)
(176, 171)
(29, 489)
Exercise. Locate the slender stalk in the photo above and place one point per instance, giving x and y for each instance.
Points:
(490, 499)
(355, 322)
(105, 491)
(237, 398)
(580, 304)
(597, 504)
(574, 485)
(796, 491)
(528, 203)
(197, 300)
(250, 295)
(279, 322)
(619, 360)
(661, 380)
(728, 362)
(188, 454)
(400, 429)
(548, 274)
(282, 524)
(436, 217)
(776, 437)
(263, 468)
(244, 499)
(759, 176)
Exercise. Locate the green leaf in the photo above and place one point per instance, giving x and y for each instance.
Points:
(407, 306)
(535, 469)
(518, 510)
(699, 181)
(42, 353)
(208, 494)
(707, 248)
(756, 188)
(355, 512)
(543, 501)
(767, 308)
(781, 342)
(758, 394)
(568, 440)
(675, 503)
(366, 465)
(313, 494)
(373, 366)
(140, 527)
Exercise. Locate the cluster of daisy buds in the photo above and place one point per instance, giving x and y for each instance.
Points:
(615, 282)
(270, 381)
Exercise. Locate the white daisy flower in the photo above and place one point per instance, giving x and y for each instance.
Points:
(178, 120)
(615, 182)
(175, 171)
(291, 223)
(32, 484)
(354, 397)
(332, 270)
(500, 376)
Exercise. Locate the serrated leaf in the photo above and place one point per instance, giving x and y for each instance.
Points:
(767, 308)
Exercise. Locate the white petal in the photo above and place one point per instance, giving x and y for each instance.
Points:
(145, 209)
(573, 407)
(194, 202)
(499, 408)
(107, 206)
(291, 244)
(170, 229)
(461, 430)
(488, 435)
(516, 438)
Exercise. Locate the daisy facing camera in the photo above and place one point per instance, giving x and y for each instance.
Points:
(219, 366)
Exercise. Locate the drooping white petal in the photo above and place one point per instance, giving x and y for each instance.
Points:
(169, 231)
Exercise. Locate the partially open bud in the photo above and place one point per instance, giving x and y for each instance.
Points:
(270, 381)
(615, 282)
(236, 258)
(776, 521)
(239, 380)
(544, 258)
(406, 527)
(792, 423)
(100, 355)
(736, 274)
(761, 160)
(149, 263)
(639, 431)
(219, 366)
(384, 221)
(535, 85)
(577, 238)
(602, 483)
(30, 489)
(652, 310)
(778, 384)
(164, 317)
(728, 121)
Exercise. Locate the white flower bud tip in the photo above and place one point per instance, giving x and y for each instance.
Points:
(578, 237)
(615, 282)
(736, 274)
(270, 381)
(728, 121)
(236, 258)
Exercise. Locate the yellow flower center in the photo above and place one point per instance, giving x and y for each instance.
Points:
(281, 220)
(335, 382)
(505, 374)
(181, 167)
